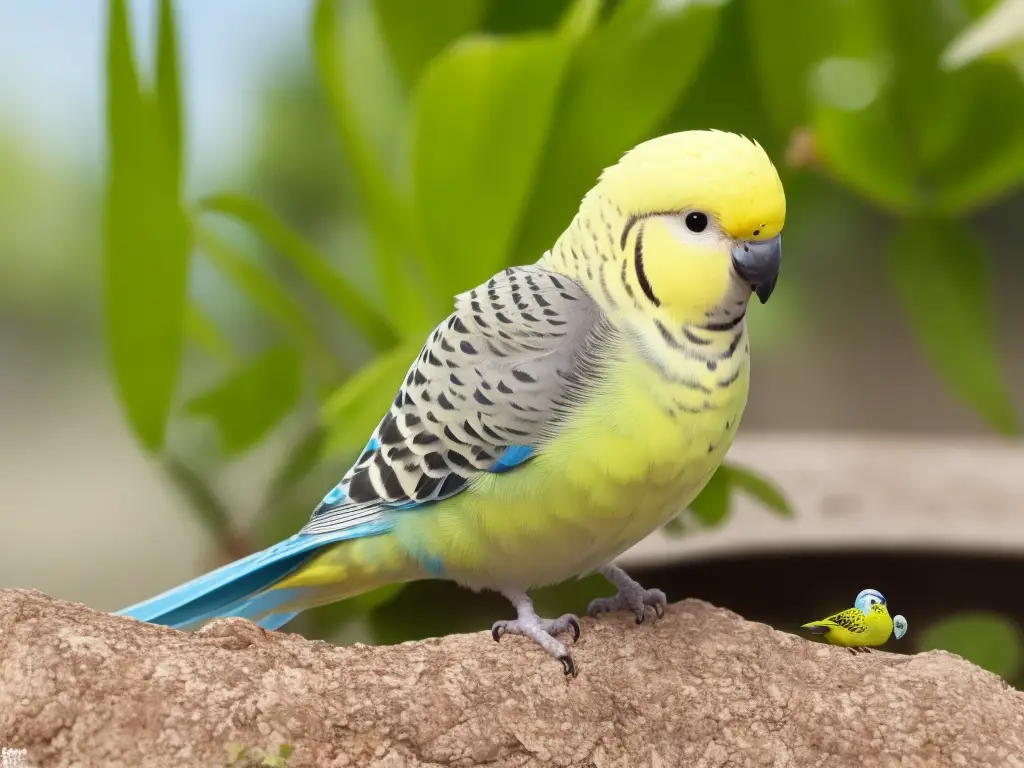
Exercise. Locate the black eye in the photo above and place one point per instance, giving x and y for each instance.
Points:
(696, 221)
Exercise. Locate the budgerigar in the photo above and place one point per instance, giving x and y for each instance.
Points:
(560, 414)
(865, 625)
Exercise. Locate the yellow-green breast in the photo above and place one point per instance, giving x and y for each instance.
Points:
(647, 440)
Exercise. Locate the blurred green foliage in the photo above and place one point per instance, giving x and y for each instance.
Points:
(44, 267)
(467, 133)
(990, 640)
(145, 297)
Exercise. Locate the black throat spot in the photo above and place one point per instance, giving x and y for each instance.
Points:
(638, 263)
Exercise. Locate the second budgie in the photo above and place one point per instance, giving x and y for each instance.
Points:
(862, 627)
(564, 411)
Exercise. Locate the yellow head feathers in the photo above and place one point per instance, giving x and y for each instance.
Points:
(687, 225)
(724, 175)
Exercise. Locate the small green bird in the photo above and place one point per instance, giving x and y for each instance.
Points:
(866, 624)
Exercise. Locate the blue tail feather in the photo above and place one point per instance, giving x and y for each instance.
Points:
(235, 589)
(252, 607)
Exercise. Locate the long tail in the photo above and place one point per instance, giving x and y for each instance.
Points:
(256, 587)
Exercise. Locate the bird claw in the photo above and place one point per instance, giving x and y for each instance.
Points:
(637, 600)
(568, 666)
(575, 624)
(543, 632)
(528, 627)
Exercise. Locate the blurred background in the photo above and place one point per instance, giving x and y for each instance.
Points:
(225, 228)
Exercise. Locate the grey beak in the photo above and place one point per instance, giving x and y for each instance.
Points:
(758, 262)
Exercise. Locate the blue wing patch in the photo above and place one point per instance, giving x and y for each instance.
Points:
(512, 458)
(337, 510)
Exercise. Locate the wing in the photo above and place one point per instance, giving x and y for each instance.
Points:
(491, 385)
(852, 620)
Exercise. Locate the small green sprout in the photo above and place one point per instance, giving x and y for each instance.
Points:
(240, 756)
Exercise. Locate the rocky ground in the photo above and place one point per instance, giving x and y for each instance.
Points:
(700, 687)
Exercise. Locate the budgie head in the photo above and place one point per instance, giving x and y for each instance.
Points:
(867, 599)
(899, 626)
(703, 213)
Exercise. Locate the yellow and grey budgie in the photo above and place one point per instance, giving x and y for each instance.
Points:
(560, 414)
(862, 627)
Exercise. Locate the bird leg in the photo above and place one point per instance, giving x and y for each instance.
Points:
(631, 596)
(542, 631)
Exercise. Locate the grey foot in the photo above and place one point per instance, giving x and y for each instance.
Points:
(541, 631)
(631, 597)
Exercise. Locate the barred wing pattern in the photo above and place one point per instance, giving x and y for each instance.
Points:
(851, 620)
(491, 382)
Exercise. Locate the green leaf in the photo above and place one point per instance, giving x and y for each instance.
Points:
(205, 333)
(987, 159)
(415, 32)
(784, 69)
(346, 59)
(482, 111)
(168, 94)
(702, 105)
(146, 246)
(202, 500)
(623, 82)
(712, 504)
(842, 85)
(760, 488)
(353, 411)
(505, 18)
(266, 292)
(251, 401)
(940, 272)
(990, 640)
(309, 262)
(932, 105)
(857, 134)
(928, 138)
(905, 133)
(352, 58)
(578, 20)
(235, 752)
(998, 33)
